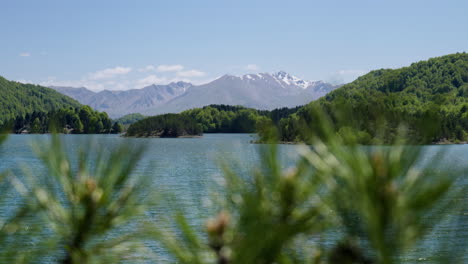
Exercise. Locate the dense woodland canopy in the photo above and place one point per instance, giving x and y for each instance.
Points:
(18, 99)
(130, 119)
(213, 119)
(81, 120)
(168, 125)
(235, 119)
(28, 108)
(225, 118)
(429, 99)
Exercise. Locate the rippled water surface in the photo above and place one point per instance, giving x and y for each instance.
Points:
(188, 167)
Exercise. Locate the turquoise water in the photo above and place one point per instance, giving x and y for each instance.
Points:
(188, 168)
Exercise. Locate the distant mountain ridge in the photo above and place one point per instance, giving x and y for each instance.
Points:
(120, 103)
(261, 91)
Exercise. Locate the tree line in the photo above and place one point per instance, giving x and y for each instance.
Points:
(80, 120)
(168, 125)
(209, 119)
(18, 99)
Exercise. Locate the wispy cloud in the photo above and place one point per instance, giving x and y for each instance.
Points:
(24, 81)
(169, 68)
(25, 54)
(75, 83)
(109, 73)
(191, 73)
(346, 76)
(252, 67)
(151, 79)
(147, 68)
(352, 72)
(124, 78)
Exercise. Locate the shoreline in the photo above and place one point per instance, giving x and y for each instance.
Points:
(302, 143)
(194, 136)
(442, 142)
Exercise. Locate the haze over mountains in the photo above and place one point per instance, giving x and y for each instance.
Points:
(260, 91)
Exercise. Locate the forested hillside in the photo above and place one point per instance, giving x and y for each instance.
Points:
(226, 118)
(213, 119)
(82, 120)
(129, 119)
(428, 98)
(235, 119)
(209, 119)
(168, 125)
(17, 99)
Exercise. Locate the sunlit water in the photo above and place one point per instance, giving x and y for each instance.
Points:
(189, 168)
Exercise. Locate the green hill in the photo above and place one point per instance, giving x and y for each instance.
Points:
(208, 119)
(226, 118)
(129, 119)
(28, 108)
(430, 98)
(167, 125)
(17, 99)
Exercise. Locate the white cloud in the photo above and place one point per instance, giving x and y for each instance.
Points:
(125, 78)
(109, 73)
(252, 67)
(191, 73)
(148, 68)
(169, 68)
(352, 72)
(151, 79)
(75, 83)
(25, 81)
(345, 76)
(25, 54)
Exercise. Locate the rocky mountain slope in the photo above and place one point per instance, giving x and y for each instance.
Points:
(260, 91)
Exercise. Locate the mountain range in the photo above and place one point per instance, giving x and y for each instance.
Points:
(261, 91)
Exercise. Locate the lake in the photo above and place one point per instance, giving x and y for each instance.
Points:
(188, 168)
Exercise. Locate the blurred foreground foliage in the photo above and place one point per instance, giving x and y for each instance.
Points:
(378, 202)
(381, 200)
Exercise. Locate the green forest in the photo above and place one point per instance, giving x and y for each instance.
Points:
(427, 102)
(20, 99)
(235, 119)
(210, 119)
(129, 119)
(225, 118)
(80, 120)
(35, 109)
(168, 125)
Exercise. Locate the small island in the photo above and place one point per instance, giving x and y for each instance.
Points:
(165, 126)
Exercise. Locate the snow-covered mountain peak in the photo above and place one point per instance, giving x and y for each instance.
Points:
(283, 78)
(289, 79)
(255, 76)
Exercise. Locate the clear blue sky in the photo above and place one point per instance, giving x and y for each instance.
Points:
(127, 44)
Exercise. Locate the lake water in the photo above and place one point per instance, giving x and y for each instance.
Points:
(188, 168)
